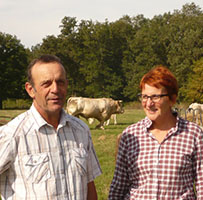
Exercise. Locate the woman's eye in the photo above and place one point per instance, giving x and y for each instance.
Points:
(155, 97)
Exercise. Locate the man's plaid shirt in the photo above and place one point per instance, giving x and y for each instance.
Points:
(38, 162)
(147, 170)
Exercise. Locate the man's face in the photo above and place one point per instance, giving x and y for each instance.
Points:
(49, 88)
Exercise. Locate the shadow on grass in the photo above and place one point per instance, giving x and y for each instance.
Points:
(118, 126)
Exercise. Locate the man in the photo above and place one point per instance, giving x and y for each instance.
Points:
(45, 153)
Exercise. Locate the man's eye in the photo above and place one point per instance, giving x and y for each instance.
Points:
(61, 83)
(46, 84)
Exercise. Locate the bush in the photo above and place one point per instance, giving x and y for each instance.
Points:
(17, 103)
(133, 105)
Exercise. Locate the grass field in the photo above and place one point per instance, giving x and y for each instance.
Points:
(105, 146)
(104, 143)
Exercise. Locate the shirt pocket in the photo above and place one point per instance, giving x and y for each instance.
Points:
(79, 158)
(36, 167)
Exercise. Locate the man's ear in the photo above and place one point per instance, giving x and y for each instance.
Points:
(30, 89)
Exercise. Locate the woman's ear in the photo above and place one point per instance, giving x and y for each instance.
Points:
(30, 89)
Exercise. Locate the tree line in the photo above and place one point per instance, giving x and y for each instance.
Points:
(108, 59)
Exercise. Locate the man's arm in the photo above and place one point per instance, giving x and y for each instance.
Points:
(6, 149)
(91, 193)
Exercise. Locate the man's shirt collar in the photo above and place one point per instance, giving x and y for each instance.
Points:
(40, 121)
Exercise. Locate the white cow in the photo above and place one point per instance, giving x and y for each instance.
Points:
(113, 117)
(106, 123)
(98, 108)
(196, 109)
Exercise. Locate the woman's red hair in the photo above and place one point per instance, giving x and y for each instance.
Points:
(159, 77)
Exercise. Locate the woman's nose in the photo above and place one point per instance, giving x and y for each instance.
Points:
(149, 101)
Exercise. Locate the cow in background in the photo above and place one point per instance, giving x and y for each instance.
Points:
(106, 123)
(98, 108)
(196, 107)
(197, 110)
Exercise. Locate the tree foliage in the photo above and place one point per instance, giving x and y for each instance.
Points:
(108, 59)
(13, 62)
(194, 89)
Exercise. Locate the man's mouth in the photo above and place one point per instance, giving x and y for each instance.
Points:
(55, 99)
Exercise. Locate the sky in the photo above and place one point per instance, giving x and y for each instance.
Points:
(32, 20)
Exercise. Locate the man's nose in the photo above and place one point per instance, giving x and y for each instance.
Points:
(54, 87)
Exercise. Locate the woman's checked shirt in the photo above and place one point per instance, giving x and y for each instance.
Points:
(147, 170)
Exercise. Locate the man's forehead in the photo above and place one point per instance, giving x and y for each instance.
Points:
(47, 71)
(53, 66)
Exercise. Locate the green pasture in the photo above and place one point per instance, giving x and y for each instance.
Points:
(105, 146)
(104, 143)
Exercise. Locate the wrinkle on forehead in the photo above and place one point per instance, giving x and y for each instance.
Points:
(42, 72)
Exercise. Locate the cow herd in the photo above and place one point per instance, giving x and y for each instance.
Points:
(104, 109)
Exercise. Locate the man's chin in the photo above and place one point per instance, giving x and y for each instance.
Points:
(56, 108)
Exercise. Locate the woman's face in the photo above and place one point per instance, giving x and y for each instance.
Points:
(158, 109)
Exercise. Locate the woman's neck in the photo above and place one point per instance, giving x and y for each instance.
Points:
(165, 124)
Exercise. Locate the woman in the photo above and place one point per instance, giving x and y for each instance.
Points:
(160, 157)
